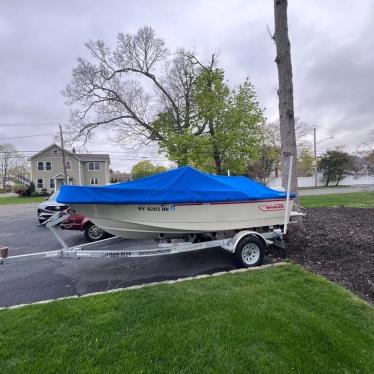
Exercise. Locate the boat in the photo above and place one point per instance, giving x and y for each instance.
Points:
(182, 202)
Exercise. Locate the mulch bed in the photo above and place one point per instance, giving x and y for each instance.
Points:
(338, 243)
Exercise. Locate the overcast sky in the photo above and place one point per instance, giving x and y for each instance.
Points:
(332, 53)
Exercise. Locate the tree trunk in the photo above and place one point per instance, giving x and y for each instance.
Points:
(181, 162)
(217, 162)
(215, 150)
(5, 176)
(285, 94)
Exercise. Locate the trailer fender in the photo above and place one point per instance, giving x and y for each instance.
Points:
(231, 246)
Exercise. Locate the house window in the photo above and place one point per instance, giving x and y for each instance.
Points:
(51, 183)
(93, 166)
(94, 181)
(48, 165)
(68, 165)
(40, 165)
(39, 183)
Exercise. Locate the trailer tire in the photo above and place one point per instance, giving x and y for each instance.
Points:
(250, 251)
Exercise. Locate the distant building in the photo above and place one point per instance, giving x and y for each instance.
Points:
(47, 169)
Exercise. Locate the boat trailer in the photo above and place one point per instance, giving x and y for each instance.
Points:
(249, 246)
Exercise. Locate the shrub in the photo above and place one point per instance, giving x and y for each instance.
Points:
(31, 187)
(44, 192)
(35, 194)
(21, 189)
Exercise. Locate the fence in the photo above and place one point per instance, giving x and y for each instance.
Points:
(309, 181)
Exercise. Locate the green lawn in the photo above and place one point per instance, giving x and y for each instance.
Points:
(349, 200)
(20, 200)
(276, 320)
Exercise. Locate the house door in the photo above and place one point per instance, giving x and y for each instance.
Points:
(58, 184)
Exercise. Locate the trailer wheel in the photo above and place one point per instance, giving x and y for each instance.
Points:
(250, 251)
(92, 233)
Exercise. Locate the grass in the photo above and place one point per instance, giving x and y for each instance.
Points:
(279, 320)
(20, 200)
(348, 200)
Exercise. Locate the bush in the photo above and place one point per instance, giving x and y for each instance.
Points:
(26, 190)
(43, 192)
(31, 187)
(21, 189)
(35, 194)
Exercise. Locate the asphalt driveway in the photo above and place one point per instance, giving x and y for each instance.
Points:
(36, 280)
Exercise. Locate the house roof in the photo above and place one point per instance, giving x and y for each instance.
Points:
(79, 156)
(61, 176)
(50, 146)
(92, 157)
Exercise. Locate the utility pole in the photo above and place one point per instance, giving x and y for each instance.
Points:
(315, 157)
(63, 155)
(315, 154)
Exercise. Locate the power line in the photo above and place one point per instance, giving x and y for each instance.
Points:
(101, 153)
(124, 153)
(122, 159)
(26, 136)
(27, 124)
(118, 157)
(112, 158)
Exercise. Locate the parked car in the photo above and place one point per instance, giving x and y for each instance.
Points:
(74, 222)
(91, 232)
(48, 207)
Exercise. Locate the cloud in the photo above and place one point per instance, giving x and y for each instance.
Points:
(332, 52)
(335, 82)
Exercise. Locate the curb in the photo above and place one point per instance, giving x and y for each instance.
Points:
(139, 286)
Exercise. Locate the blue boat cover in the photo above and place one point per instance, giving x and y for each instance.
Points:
(182, 185)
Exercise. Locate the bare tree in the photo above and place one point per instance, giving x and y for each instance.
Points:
(302, 130)
(272, 135)
(285, 92)
(368, 145)
(128, 87)
(8, 160)
(20, 173)
(366, 151)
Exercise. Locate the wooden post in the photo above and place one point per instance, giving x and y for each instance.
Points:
(315, 157)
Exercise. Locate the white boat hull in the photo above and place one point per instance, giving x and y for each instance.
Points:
(151, 220)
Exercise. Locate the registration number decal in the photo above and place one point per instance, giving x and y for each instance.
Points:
(156, 208)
